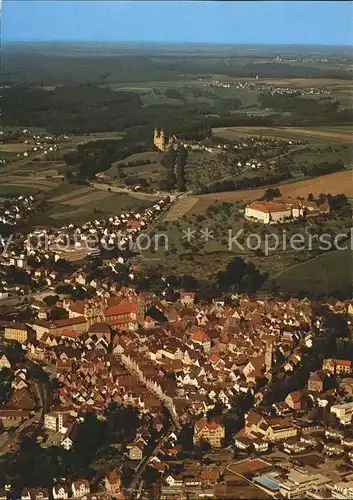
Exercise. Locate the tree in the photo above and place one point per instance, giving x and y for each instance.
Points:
(122, 423)
(181, 160)
(6, 378)
(36, 372)
(89, 438)
(51, 300)
(150, 476)
(240, 276)
(271, 193)
(58, 313)
(63, 289)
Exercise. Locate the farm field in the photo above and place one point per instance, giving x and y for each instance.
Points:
(75, 140)
(93, 206)
(180, 208)
(153, 93)
(72, 203)
(342, 133)
(67, 192)
(13, 147)
(328, 272)
(336, 183)
(315, 135)
(146, 164)
(23, 182)
(15, 190)
(314, 154)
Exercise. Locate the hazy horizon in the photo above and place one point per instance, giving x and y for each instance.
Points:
(313, 23)
(174, 43)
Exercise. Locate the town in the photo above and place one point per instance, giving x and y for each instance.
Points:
(176, 313)
(246, 392)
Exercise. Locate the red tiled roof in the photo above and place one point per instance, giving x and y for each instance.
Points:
(122, 308)
(200, 336)
(203, 422)
(70, 321)
(343, 362)
(71, 333)
(99, 328)
(268, 206)
(133, 224)
(120, 321)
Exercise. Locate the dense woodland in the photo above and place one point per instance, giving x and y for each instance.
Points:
(63, 88)
(88, 108)
(50, 64)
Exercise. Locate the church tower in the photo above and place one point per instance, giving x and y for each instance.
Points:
(162, 140)
(268, 356)
(159, 138)
(156, 135)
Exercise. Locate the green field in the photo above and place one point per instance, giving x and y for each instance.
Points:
(77, 203)
(316, 154)
(322, 275)
(146, 165)
(13, 190)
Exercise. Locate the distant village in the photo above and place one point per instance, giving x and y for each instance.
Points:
(266, 87)
(33, 144)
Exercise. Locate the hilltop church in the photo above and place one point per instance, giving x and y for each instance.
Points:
(162, 142)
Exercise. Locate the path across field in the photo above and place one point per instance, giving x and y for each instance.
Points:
(180, 208)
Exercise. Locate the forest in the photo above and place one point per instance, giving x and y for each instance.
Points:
(41, 64)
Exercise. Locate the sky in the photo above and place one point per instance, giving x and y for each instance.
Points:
(262, 22)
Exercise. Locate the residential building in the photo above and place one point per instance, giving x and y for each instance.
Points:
(316, 381)
(269, 428)
(80, 488)
(54, 421)
(19, 332)
(35, 494)
(4, 362)
(344, 412)
(60, 492)
(211, 432)
(337, 366)
(296, 401)
(187, 298)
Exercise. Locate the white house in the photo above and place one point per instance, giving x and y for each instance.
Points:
(60, 492)
(80, 488)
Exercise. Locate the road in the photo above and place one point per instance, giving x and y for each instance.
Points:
(5, 448)
(41, 389)
(136, 194)
(136, 484)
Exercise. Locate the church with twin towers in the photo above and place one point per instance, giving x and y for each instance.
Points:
(162, 142)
